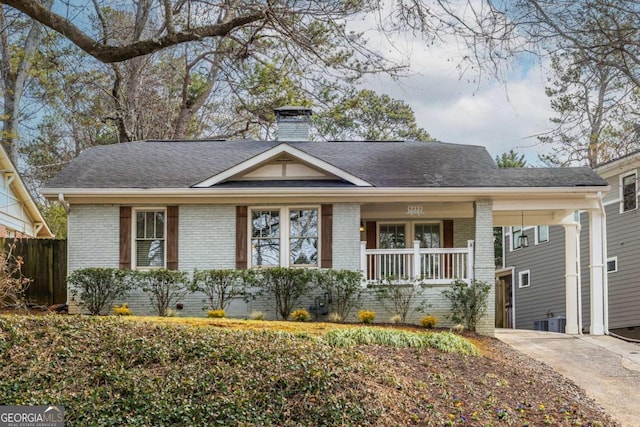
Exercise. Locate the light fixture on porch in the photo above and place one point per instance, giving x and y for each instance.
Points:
(523, 240)
(361, 226)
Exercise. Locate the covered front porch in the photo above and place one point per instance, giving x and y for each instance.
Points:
(437, 266)
(436, 242)
(431, 243)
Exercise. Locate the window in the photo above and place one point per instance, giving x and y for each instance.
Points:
(150, 238)
(284, 237)
(524, 279)
(265, 238)
(542, 234)
(428, 235)
(392, 236)
(516, 232)
(303, 237)
(628, 196)
(612, 264)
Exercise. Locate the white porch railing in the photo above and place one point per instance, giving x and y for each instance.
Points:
(436, 266)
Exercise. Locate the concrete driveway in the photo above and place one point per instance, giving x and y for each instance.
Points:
(608, 369)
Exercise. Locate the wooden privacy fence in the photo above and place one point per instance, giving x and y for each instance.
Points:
(45, 263)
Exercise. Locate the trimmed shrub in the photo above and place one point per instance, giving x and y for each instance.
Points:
(122, 310)
(344, 288)
(216, 314)
(220, 286)
(164, 288)
(468, 302)
(285, 285)
(300, 315)
(397, 298)
(429, 322)
(97, 288)
(366, 316)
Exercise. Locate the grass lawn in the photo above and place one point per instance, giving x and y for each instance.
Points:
(182, 371)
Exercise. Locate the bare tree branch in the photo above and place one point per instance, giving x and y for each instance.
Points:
(108, 54)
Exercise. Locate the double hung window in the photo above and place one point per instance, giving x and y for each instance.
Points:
(284, 237)
(150, 238)
(628, 189)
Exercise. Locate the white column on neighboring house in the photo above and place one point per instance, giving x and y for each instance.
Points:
(596, 264)
(571, 277)
(484, 263)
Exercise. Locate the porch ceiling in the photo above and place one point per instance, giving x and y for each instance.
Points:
(550, 211)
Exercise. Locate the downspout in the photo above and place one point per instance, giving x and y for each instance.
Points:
(63, 202)
(605, 279)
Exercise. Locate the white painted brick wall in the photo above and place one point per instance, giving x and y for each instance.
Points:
(207, 237)
(463, 231)
(207, 240)
(484, 261)
(346, 236)
(93, 240)
(93, 237)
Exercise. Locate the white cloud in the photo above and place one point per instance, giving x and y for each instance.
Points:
(454, 108)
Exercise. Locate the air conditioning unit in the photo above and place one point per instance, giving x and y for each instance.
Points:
(557, 324)
(541, 325)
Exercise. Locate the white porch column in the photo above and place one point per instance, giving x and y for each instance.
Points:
(571, 277)
(363, 260)
(470, 259)
(484, 268)
(596, 259)
(417, 261)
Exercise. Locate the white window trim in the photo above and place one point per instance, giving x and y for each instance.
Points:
(409, 228)
(537, 236)
(614, 259)
(134, 233)
(512, 245)
(284, 234)
(621, 190)
(522, 273)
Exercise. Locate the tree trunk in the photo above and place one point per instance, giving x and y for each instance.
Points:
(15, 81)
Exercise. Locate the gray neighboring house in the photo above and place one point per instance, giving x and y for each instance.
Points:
(421, 211)
(533, 277)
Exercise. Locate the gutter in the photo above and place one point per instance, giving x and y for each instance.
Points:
(63, 202)
(474, 192)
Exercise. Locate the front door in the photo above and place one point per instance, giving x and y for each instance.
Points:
(504, 302)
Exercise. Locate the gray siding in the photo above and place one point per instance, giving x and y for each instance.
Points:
(613, 194)
(623, 231)
(545, 296)
(547, 269)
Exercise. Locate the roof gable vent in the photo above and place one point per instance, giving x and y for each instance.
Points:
(293, 123)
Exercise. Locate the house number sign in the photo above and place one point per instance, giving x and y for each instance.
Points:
(415, 210)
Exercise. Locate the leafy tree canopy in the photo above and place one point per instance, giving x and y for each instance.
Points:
(511, 159)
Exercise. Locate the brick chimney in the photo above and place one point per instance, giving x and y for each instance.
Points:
(293, 123)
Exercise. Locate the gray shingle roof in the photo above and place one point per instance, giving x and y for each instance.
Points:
(182, 164)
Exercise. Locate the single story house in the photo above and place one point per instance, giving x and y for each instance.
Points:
(535, 274)
(417, 210)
